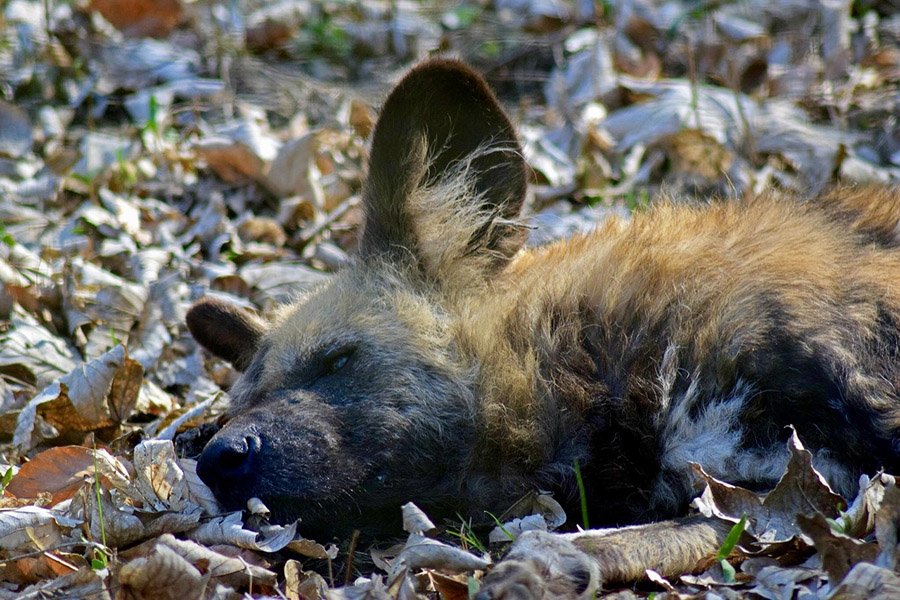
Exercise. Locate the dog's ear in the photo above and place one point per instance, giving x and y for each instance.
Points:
(446, 176)
(229, 331)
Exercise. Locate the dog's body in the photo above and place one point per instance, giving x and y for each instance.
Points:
(449, 367)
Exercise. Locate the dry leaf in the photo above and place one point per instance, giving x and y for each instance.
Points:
(230, 530)
(838, 552)
(240, 150)
(84, 583)
(163, 575)
(422, 553)
(887, 525)
(61, 471)
(865, 581)
(77, 401)
(198, 492)
(860, 516)
(107, 520)
(159, 477)
(15, 131)
(231, 571)
(772, 516)
(414, 520)
(29, 349)
(30, 528)
(138, 18)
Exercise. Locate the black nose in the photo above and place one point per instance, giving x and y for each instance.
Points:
(228, 456)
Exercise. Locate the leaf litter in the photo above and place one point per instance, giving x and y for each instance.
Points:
(154, 152)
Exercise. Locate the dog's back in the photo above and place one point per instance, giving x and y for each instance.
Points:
(700, 333)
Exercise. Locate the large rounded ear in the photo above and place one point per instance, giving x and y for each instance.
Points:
(446, 176)
(229, 331)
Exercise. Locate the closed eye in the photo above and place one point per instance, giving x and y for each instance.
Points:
(337, 359)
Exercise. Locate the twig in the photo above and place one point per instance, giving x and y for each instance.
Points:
(350, 552)
(307, 234)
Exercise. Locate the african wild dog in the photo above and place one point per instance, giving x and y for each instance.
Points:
(450, 367)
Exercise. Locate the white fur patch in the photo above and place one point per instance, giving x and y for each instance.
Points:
(711, 436)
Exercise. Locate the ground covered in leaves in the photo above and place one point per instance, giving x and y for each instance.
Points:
(154, 152)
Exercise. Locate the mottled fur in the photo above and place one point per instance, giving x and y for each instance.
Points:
(450, 367)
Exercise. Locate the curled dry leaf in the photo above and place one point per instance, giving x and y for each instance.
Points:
(231, 571)
(159, 477)
(80, 400)
(415, 520)
(162, 574)
(313, 549)
(887, 525)
(229, 529)
(859, 519)
(303, 585)
(197, 491)
(838, 552)
(31, 528)
(866, 581)
(30, 351)
(424, 553)
(108, 521)
(255, 506)
(773, 516)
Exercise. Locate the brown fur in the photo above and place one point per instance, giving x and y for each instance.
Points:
(450, 367)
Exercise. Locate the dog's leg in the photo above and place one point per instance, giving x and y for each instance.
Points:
(543, 565)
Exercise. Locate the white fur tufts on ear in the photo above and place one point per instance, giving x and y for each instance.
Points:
(446, 177)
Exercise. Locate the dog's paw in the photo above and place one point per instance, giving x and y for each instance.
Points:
(541, 566)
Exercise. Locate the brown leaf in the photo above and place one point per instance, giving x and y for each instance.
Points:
(159, 477)
(232, 571)
(163, 574)
(30, 570)
(140, 18)
(801, 490)
(361, 118)
(295, 172)
(450, 588)
(108, 520)
(838, 552)
(84, 583)
(125, 389)
(887, 522)
(59, 471)
(773, 516)
(303, 585)
(865, 581)
(76, 401)
(860, 516)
